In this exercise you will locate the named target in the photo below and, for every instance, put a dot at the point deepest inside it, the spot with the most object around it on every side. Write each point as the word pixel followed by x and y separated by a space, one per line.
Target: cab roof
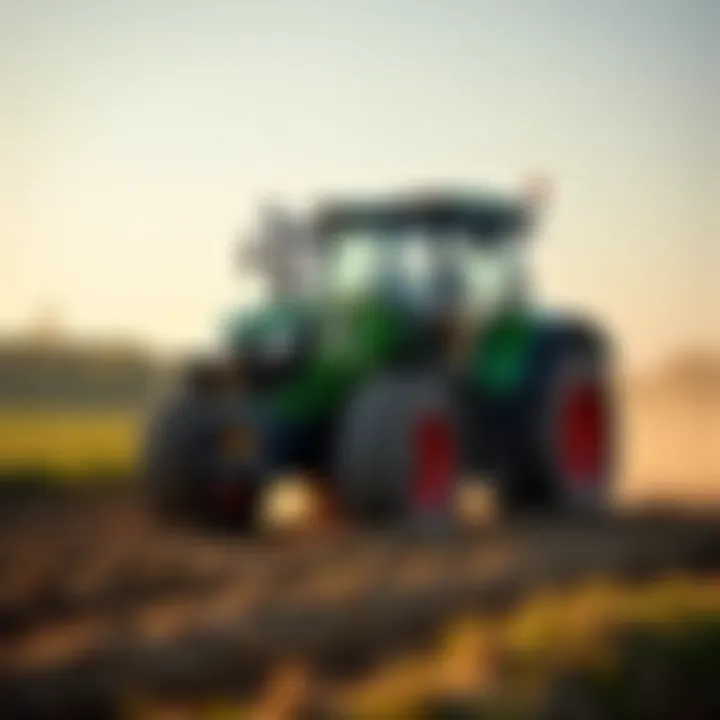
pixel 485 217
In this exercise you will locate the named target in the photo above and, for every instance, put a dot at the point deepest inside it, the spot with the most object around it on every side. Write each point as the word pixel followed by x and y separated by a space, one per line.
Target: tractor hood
pixel 356 331
pixel 305 356
pixel 270 333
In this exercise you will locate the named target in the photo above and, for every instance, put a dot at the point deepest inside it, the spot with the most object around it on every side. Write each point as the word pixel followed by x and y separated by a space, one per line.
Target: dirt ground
pixel 94 581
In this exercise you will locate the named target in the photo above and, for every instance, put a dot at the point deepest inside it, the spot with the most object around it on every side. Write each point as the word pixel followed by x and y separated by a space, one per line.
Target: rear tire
pixel 559 450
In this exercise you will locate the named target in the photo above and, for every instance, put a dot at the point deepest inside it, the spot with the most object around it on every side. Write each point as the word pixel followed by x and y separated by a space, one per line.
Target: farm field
pixel 100 604
pixel 103 611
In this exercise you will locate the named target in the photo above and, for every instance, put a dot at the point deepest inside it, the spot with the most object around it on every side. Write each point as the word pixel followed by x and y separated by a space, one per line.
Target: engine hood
pixel 265 327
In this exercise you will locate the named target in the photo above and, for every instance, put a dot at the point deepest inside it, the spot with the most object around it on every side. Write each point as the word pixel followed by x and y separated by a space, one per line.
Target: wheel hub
pixel 436 458
pixel 582 434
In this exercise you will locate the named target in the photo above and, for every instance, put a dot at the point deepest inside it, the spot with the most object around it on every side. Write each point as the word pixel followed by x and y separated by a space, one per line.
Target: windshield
pixel 491 275
pixel 420 269
pixel 354 263
pixel 360 263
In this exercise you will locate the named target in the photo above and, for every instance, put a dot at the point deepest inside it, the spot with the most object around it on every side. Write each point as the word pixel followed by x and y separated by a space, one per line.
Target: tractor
pixel 406 356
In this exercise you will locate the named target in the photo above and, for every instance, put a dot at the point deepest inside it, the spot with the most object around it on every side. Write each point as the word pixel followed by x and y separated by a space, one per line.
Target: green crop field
pixel 68 445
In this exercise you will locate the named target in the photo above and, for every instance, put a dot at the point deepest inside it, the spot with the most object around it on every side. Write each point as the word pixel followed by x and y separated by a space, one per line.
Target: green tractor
pixel 407 356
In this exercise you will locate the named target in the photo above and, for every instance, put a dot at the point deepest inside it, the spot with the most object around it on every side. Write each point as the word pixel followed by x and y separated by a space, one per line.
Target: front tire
pixel 399 452
pixel 183 474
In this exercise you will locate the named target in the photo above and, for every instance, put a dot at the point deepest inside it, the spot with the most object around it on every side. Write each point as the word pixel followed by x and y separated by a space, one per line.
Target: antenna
pixel 538 189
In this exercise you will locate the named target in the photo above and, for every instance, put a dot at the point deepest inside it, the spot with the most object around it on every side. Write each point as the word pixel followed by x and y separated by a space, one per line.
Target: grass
pixel 68 446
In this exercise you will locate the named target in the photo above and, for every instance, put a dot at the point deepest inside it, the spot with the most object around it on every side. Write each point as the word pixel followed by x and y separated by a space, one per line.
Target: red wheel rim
pixel 582 434
pixel 435 457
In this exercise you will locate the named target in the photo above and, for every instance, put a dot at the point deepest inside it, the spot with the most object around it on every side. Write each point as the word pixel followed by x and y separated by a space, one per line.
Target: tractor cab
pixel 429 254
pixel 369 279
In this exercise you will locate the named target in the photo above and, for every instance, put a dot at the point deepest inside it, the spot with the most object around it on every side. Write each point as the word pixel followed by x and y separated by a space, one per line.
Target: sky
pixel 137 137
